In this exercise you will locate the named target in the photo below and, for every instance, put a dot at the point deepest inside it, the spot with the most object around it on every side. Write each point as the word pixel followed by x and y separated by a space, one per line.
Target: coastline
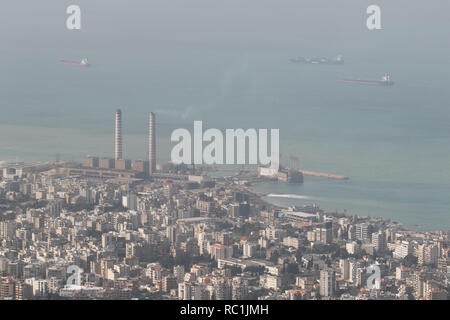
pixel 270 199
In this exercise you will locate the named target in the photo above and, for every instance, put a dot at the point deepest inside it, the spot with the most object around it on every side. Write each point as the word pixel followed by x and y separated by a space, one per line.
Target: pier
pixel 324 175
pixel 304 172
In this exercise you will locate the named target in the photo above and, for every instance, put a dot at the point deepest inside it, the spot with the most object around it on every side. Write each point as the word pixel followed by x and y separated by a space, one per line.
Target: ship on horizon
pixel 83 63
pixel 384 81
pixel 302 60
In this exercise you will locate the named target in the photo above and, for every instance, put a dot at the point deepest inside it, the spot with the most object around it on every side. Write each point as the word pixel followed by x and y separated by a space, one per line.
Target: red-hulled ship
pixel 83 63
pixel 385 81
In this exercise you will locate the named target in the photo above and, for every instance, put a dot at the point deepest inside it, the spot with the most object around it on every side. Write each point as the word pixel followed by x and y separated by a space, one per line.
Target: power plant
pixel 120 166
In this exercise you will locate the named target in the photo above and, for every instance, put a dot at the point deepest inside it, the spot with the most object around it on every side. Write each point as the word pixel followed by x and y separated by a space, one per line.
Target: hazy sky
pixel 257 24
pixel 118 33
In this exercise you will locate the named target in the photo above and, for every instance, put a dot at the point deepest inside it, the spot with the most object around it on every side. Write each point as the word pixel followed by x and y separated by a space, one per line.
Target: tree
pixel 298 256
pixel 409 260
pixel 255 269
pixel 292 268
pixel 274 256
pixel 310 264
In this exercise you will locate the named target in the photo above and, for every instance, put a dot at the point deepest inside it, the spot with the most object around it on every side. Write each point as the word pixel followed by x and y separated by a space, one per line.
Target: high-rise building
pixel 327 283
pixel 326 233
pixel 118 136
pixel 87 194
pixel 130 201
pixel 219 251
pixel 272 282
pixel 171 233
pixel 168 283
pixel 402 250
pixel 178 272
pixel 54 207
pixel 7 229
pixel 419 279
pixel 249 250
pixel 379 241
pixel 7 288
pixel 239 289
pixel 152 143
pixel 344 265
pixel 351 233
pixel 362 231
pixel 353 266
pixel 427 254
pixel 222 290
pixel 184 291
pixel 225 238
pixel 401 273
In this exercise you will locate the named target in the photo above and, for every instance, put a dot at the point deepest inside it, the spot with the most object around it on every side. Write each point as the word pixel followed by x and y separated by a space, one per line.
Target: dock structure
pixel 324 175
pixel 304 172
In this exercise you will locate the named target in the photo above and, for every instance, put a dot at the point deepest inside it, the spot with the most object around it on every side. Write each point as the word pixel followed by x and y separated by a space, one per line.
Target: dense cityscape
pixel 121 229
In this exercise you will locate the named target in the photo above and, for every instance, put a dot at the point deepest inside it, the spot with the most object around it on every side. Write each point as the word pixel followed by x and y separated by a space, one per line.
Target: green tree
pixel 409 260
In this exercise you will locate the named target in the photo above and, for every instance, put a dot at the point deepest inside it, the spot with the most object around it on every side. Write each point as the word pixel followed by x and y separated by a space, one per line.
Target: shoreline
pixel 411 228
pixel 264 198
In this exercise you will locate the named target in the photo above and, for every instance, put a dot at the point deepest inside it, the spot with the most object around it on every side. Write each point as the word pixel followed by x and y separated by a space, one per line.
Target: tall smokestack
pixel 151 143
pixel 118 136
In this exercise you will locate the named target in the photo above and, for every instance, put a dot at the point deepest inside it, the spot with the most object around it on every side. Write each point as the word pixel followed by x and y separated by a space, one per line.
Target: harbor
pixel 304 172
pixel 324 175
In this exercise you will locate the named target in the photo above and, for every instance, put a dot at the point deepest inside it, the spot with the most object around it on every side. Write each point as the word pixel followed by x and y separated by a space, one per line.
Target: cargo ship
pixel 83 63
pixel 302 60
pixel 384 81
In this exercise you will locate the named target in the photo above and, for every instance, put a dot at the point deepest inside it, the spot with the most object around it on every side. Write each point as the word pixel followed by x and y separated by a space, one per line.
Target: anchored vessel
pixel 83 63
pixel 303 60
pixel 384 81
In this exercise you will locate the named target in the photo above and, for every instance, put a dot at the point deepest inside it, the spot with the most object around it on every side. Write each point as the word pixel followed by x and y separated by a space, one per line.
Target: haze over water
pixel 227 63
